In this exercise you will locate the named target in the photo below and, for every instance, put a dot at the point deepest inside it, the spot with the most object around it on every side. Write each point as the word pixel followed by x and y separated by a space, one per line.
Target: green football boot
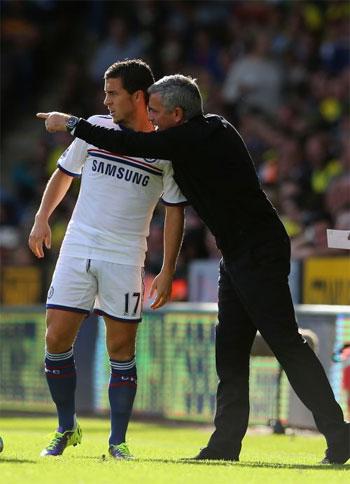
pixel 120 451
pixel 62 440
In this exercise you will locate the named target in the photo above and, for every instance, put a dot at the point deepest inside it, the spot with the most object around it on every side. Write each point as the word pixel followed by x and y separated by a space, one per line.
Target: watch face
pixel 71 123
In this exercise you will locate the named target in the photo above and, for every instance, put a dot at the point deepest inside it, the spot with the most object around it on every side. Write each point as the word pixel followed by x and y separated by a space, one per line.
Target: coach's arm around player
pixel 55 191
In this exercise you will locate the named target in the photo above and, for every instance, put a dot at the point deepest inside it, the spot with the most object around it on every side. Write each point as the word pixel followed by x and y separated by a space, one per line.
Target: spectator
pixel 255 80
pixel 120 44
pixel 313 241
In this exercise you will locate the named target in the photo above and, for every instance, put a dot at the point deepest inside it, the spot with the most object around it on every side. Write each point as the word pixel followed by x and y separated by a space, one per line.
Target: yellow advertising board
pixel 23 386
pixel 326 280
pixel 20 285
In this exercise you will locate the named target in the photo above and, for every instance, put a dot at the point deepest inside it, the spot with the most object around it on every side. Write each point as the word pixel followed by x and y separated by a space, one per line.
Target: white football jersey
pixel 116 201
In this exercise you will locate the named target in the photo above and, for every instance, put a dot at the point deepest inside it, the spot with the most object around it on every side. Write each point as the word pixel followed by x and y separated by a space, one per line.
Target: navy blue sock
pixel 121 392
pixel 61 378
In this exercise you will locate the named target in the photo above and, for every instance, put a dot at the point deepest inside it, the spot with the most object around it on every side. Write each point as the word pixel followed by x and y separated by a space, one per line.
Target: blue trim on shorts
pixel 67 308
pixel 115 318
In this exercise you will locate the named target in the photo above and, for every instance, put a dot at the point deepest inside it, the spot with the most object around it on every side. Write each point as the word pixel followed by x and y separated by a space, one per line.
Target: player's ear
pixel 139 96
pixel 179 115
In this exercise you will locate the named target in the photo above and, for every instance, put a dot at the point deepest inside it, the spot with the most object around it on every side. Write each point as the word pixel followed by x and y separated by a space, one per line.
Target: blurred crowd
pixel 278 70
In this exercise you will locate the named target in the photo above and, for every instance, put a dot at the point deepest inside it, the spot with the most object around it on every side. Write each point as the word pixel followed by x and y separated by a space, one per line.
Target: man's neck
pixel 139 123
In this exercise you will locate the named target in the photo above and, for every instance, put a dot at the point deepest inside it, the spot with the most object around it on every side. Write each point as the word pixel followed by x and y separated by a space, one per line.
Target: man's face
pixel 159 116
pixel 120 103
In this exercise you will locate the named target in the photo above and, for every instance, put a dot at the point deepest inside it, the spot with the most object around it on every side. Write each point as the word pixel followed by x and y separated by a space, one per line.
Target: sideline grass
pixel 268 459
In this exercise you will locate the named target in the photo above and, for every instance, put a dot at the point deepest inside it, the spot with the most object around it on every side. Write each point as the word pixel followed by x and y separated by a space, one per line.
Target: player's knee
pixel 55 342
pixel 121 350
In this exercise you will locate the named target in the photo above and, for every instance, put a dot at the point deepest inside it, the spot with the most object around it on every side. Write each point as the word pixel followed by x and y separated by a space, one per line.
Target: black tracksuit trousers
pixel 254 295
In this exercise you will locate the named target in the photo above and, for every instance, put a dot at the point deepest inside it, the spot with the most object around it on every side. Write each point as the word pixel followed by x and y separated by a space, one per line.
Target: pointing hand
pixel 54 121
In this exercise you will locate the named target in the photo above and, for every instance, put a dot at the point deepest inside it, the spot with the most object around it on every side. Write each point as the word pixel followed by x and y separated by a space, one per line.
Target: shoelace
pixel 57 439
pixel 123 449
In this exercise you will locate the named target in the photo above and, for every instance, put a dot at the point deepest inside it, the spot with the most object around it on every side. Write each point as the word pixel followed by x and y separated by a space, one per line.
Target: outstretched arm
pixel 173 233
pixel 157 144
pixel 55 190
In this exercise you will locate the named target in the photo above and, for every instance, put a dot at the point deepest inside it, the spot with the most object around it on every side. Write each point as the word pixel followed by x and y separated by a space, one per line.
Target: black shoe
pixel 340 453
pixel 211 454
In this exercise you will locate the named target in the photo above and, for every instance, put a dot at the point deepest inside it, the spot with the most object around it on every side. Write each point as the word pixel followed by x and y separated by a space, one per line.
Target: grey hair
pixel 179 91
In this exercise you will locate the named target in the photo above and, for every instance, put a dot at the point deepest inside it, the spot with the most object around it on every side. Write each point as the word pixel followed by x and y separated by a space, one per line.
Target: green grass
pixel 267 459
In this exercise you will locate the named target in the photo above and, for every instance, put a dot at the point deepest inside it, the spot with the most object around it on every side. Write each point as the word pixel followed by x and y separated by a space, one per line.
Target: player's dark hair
pixel 135 74
pixel 179 91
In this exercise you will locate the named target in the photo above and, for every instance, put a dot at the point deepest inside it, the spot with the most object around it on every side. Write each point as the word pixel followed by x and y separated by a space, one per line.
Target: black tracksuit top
pixel 214 171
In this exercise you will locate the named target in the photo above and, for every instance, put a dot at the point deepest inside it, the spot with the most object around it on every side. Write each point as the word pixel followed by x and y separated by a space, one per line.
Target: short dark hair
pixel 135 74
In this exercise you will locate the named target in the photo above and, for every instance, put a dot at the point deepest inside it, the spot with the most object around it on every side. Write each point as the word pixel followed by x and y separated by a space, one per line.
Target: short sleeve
pixel 171 192
pixel 72 160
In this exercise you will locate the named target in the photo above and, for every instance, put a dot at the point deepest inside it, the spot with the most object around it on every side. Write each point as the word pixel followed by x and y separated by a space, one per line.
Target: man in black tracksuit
pixel 216 174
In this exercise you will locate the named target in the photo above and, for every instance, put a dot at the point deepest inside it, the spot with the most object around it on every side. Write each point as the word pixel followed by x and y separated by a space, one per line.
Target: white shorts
pixel 82 285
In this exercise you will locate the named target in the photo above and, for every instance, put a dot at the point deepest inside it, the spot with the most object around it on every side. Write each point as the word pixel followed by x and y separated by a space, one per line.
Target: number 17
pixel 136 295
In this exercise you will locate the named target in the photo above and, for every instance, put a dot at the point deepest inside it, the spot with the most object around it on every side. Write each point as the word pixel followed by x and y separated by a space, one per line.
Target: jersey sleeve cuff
pixel 75 175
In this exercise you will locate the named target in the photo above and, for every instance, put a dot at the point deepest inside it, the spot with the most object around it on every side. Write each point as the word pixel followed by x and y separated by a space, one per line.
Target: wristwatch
pixel 71 123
